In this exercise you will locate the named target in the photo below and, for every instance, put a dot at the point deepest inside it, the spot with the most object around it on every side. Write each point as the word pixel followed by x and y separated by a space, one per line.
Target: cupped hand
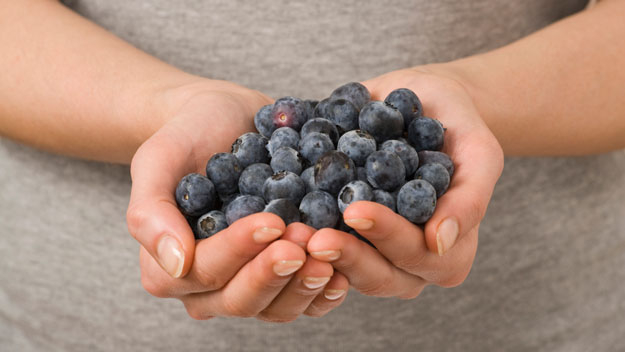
pixel 257 267
pixel 408 257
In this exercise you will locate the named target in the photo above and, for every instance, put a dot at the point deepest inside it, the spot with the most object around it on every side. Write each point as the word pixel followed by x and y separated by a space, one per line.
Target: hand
pixel 241 271
pixel 409 257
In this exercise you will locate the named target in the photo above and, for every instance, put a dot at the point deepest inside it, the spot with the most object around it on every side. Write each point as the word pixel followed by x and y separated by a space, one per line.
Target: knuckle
pixel 498 155
pixel 153 288
pixel 477 207
pixel 235 308
pixel 377 287
pixel 276 318
pixel 455 279
pixel 135 217
pixel 410 263
pixel 196 312
pixel 209 280
pixel 412 293
pixel 318 310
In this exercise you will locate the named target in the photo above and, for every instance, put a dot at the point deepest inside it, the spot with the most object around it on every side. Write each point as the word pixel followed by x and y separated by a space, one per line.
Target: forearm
pixel 559 91
pixel 71 87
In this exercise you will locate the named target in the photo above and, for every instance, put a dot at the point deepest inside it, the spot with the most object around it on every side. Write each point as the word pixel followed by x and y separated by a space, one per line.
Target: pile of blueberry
pixel 310 160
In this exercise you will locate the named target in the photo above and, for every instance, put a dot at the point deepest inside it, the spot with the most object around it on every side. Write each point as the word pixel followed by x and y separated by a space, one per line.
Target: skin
pixel 519 99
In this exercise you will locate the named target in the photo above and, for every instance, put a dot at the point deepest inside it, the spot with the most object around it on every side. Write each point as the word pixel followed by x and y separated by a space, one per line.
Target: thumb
pixel 462 207
pixel 153 217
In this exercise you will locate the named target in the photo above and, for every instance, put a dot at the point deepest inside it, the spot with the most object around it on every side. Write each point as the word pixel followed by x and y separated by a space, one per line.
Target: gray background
pixel 549 270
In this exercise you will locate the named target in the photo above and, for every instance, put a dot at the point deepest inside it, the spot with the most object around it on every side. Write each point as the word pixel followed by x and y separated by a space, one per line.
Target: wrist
pixel 469 74
pixel 165 101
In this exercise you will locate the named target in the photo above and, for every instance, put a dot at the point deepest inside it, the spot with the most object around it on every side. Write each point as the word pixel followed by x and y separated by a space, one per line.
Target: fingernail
pixel 315 282
pixel 266 234
pixel 333 294
pixel 326 255
pixel 446 235
pixel 287 267
pixel 170 256
pixel 359 224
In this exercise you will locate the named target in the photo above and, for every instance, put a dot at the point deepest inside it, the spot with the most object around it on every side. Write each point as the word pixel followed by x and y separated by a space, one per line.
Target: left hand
pixel 407 257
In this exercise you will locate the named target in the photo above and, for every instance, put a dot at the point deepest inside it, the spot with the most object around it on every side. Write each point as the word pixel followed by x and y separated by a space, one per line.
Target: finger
pixel 217 258
pixel 453 268
pixel 397 239
pixel 333 295
pixel 477 156
pixel 153 217
pixel 403 244
pixel 307 283
pixel 365 268
pixel 298 233
pixel 254 287
pixel 478 165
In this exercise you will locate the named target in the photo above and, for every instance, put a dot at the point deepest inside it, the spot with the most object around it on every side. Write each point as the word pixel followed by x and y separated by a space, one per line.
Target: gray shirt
pixel 548 274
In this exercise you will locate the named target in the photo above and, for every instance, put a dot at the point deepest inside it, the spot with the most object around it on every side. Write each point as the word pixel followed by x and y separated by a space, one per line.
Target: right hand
pixel 243 270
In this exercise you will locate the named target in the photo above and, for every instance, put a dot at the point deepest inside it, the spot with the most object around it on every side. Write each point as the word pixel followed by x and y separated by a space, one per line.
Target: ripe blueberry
pixel 253 178
pixel 381 121
pixel 416 201
pixel 319 209
pixel 385 170
pixel 195 195
pixel 251 148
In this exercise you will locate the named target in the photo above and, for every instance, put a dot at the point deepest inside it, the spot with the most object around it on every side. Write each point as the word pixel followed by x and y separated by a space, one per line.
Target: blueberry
pixel 416 201
pixel 361 174
pixel 321 108
pixel 319 209
pixel 353 192
pixel 209 224
pixel 406 152
pixel 284 209
pixel 243 206
pixel 312 103
pixel 334 170
pixel 227 199
pixel 428 157
pixel 357 145
pixel 407 102
pixel 381 121
pixel 385 198
pixel 385 170
pixel 354 92
pixel 253 178
pixel 290 112
pixel 310 107
pixel 250 149
pixel 195 195
pixel 425 133
pixel 436 175
pixel 287 159
pixel 284 184
pixel 343 113
pixel 224 169
pixel 264 121
pixel 314 145
pixel 283 137
pixel 321 125
pixel 308 176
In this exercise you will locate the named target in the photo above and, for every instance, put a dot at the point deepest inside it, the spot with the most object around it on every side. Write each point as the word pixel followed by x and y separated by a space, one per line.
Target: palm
pixel 468 141
pixel 204 122
pixel 406 257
